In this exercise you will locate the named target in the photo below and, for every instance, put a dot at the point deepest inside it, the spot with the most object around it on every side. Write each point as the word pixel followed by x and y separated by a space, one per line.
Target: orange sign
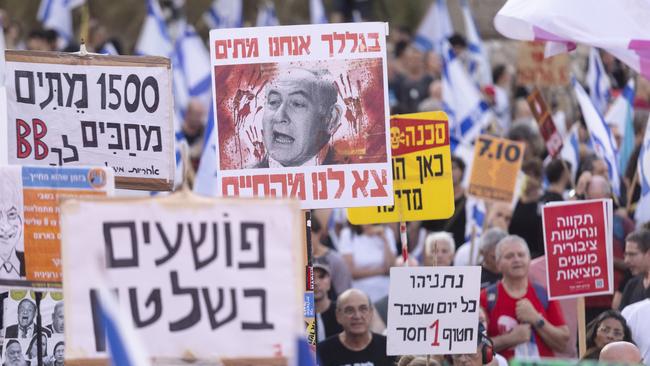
pixel 496 164
pixel 534 69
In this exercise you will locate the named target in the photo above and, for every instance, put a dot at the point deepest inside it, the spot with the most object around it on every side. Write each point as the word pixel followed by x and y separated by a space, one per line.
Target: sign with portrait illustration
pixel 433 310
pixel 30 240
pixel 421 168
pixel 111 111
pixel 22 329
pixel 214 278
pixel 302 111
pixel 497 162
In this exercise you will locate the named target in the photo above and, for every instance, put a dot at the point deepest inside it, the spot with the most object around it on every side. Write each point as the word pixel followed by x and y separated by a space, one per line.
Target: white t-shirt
pixel 637 316
pixel 461 258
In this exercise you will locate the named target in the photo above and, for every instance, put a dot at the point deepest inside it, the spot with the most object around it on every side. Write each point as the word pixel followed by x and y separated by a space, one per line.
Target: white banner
pixel 215 278
pixel 302 111
pixel 111 111
pixel 433 310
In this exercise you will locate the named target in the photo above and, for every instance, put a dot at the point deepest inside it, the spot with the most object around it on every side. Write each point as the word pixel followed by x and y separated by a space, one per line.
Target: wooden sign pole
pixel 582 341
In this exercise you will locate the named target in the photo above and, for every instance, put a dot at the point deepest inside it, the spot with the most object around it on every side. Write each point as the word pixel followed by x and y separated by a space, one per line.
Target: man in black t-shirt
pixel 326 324
pixel 355 344
pixel 637 257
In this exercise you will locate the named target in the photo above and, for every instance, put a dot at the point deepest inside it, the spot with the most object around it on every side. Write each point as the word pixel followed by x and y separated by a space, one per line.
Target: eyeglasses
pixel 361 310
pixel 607 330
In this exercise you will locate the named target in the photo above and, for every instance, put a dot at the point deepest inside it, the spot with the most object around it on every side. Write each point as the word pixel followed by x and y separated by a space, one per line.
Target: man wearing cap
pixel 326 325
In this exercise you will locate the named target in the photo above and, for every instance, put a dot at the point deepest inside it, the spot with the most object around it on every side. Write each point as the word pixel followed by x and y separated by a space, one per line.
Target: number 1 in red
pixel 434 326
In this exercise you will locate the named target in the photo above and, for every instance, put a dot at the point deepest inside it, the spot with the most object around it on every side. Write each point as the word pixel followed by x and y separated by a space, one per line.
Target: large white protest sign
pixel 302 111
pixel 115 111
pixel 211 278
pixel 433 310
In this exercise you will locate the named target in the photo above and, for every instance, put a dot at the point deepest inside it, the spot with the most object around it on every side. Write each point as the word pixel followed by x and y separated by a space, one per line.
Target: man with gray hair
pixel 300 116
pixel 487 249
pixel 522 321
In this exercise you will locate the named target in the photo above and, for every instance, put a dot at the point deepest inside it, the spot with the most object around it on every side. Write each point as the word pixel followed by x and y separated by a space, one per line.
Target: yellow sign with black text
pixel 422 181
pixel 496 164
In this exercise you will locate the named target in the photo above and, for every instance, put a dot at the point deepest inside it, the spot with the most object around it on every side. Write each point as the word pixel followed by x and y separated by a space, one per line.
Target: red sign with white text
pixel 578 244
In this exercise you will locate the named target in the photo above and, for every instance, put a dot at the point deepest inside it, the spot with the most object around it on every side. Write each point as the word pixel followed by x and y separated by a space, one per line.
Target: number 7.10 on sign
pixel 496 164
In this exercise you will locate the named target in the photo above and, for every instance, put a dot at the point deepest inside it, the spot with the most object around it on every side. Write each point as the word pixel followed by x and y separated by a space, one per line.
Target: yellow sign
pixel 494 171
pixel 422 180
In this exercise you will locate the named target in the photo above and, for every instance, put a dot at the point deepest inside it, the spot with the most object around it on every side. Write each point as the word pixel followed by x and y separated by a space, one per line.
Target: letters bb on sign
pixel 433 310
pixel 422 179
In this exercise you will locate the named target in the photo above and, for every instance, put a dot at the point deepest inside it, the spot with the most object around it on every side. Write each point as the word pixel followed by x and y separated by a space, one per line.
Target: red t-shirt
pixel 503 319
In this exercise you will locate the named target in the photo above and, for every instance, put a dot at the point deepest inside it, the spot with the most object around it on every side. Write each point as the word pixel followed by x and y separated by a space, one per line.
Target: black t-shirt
pixel 634 292
pixel 488 277
pixel 549 196
pixel 527 223
pixel 332 327
pixel 331 352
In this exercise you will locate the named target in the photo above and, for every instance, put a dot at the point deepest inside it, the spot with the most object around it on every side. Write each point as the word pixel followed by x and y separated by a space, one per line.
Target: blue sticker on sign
pixel 309 305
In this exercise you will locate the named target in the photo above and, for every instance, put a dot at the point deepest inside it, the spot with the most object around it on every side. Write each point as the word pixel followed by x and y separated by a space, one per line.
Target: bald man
pixel 620 353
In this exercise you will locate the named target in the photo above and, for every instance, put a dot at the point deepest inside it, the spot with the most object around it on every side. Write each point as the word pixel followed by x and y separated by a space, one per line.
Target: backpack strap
pixel 491 292
pixel 542 295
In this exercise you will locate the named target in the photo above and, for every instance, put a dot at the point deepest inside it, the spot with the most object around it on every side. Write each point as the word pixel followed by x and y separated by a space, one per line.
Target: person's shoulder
pixel 329 343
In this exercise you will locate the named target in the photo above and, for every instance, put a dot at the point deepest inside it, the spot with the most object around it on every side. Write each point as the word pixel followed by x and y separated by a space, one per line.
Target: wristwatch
pixel 540 323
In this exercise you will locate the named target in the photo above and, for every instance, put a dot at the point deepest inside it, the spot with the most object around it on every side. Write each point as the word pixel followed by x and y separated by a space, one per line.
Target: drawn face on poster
pixel 300 114
pixel 11 221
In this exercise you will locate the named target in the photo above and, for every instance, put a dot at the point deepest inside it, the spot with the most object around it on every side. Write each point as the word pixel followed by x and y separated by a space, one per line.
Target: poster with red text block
pixel 302 112
pixel 579 248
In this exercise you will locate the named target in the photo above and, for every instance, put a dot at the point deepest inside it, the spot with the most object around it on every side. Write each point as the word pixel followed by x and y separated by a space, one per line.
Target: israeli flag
pixel 317 12
pixel 435 28
pixel 108 48
pixel 642 213
pixel 475 212
pixel 481 62
pixel 621 115
pixel 154 39
pixel 571 150
pixel 205 182
pixel 193 59
pixel 468 113
pixel 224 14
pixel 266 15
pixel 57 15
pixel 601 137
pixel 2 56
pixel 124 346
pixel 598 82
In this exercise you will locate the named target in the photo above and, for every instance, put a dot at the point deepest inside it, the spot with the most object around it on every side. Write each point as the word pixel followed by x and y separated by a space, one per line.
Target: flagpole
pixel 630 191
pixel 85 20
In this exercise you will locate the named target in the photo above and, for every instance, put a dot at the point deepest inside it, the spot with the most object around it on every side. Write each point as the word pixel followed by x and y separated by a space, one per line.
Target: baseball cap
pixel 323 264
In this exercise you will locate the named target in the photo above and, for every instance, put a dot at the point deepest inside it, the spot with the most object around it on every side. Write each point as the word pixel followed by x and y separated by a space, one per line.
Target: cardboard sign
pixel 302 111
pixel 114 111
pixel 421 168
pixel 547 128
pixel 21 344
pixel 215 278
pixel 30 241
pixel 534 69
pixel 579 248
pixel 494 171
pixel 433 310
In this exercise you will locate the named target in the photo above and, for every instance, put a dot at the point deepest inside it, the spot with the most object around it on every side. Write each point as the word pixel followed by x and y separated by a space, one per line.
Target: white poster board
pixel 214 278
pixel 115 111
pixel 433 310
pixel 302 111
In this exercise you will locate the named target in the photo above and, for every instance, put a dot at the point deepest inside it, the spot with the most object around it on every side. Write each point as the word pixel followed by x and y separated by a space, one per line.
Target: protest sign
pixel 302 111
pixel 21 317
pixel 534 69
pixel 30 241
pixel 433 310
pixel 494 171
pixel 579 248
pixel 544 119
pixel 421 168
pixel 211 278
pixel 115 111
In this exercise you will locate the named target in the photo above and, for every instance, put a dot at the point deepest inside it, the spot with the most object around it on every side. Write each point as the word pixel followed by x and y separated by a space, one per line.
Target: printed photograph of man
pixel 14 354
pixel 57 319
pixel 26 328
pixel 300 117
pixel 12 256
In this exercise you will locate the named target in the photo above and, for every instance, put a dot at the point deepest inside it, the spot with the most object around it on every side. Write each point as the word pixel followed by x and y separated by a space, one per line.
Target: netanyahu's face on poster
pixel 300 116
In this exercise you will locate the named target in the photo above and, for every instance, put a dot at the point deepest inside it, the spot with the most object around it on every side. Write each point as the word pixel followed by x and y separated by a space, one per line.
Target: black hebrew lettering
pixel 426 166
pixel 418 334
pixel 198 242
pixel 172 248
pixel 247 245
pixel 399 168
pixel 51 77
pixel 30 98
pixel 154 299
pixel 111 261
pixel 194 314
pixel 117 145
pixel 214 310
pixel 92 141
pixel 263 323
pixel 72 158
pixel 148 133
pixel 457 335
pixel 127 136
pixel 72 80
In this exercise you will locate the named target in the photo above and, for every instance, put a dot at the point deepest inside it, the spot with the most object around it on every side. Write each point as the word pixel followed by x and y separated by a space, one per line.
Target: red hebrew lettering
pixel 328 38
pixel 375 47
pixel 338 176
pixel 297 183
pixel 40 130
pixel 341 38
pixel 319 190
pixel 220 49
pixel 380 191
pixel 262 180
pixel 303 47
pixel 230 182
pixel 279 179
pixel 252 48
pixel 23 147
pixel 359 183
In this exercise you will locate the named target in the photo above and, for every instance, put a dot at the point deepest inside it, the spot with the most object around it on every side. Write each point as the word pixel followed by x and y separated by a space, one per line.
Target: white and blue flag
pixel 435 28
pixel 601 136
pixel 154 39
pixel 266 16
pixel 642 213
pixel 480 65
pixel 57 15
pixel 224 14
pixel 598 82
pixel 205 182
pixel 317 12
pixel 621 115
pixel 571 150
